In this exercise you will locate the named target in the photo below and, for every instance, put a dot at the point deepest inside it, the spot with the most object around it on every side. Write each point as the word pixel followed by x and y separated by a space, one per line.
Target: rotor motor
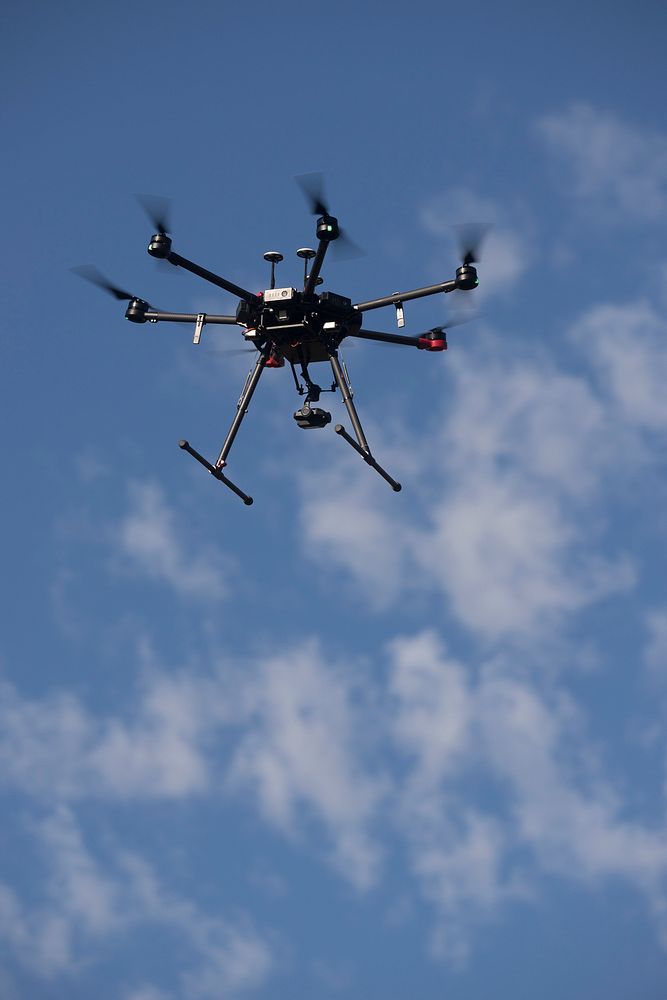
pixel 136 311
pixel 435 340
pixel 466 277
pixel 160 246
pixel 327 228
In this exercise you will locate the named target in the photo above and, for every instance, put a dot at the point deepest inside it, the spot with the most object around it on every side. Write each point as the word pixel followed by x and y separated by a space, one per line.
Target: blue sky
pixel 343 742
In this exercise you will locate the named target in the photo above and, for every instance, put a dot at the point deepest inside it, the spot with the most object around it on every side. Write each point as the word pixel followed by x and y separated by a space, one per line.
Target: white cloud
pixel 76 898
pixel 62 608
pixel 460 863
pixel 655 650
pixel 53 748
pixel 497 551
pixel 147 536
pixel 508 532
pixel 87 895
pixel 611 164
pixel 42 743
pixel 86 902
pixel 526 415
pixel 574 823
pixel 627 344
pixel 345 519
pixel 433 717
pixel 456 852
pixel 505 258
pixel 230 956
pixel 161 750
pixel 301 736
pixel 39 941
pixel 555 814
pixel 147 993
pixel 90 467
pixel 292 737
pixel 300 754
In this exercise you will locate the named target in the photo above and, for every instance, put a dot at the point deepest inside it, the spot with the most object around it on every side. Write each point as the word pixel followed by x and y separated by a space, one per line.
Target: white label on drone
pixel 278 294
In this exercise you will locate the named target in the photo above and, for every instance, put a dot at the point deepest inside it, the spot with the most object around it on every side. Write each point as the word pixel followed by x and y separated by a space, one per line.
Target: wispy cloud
pixel 299 754
pixel 655 649
pixel 54 748
pixel 87 899
pixel 346 521
pixel 615 167
pixel 230 956
pixel 148 539
pixel 302 739
pixel 515 462
pixel 292 738
pixel 627 344
pixel 557 815
pixel 147 993
pixel 90 467
pixel 572 820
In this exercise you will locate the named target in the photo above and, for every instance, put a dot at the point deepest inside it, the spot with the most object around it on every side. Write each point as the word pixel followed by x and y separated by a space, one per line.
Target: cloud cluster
pixel 612 165
pixel 290 722
pixel 149 542
pixel 557 815
pixel 88 902
pixel 298 754
pixel 302 740
pixel 54 749
pixel 655 650
pixel 516 460
pixel 627 346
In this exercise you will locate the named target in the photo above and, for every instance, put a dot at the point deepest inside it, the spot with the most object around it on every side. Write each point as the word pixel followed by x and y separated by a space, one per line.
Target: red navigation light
pixel 275 361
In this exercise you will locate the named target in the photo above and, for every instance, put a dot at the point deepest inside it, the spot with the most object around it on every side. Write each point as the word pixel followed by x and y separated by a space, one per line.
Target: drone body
pixel 295 326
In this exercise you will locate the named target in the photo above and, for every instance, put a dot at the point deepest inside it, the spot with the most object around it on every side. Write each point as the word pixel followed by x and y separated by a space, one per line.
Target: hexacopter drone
pixel 299 326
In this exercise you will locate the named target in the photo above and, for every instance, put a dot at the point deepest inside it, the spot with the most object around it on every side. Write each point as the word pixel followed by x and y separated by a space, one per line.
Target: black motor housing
pixel 466 277
pixel 136 311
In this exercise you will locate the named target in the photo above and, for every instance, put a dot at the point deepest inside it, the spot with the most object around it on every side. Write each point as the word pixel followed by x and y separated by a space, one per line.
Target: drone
pixel 293 325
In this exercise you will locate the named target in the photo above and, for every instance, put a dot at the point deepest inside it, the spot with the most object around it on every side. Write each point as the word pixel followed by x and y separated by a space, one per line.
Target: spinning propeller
pixel 135 312
pixel 231 352
pixel 90 273
pixel 471 237
pixel 158 210
pixel 312 186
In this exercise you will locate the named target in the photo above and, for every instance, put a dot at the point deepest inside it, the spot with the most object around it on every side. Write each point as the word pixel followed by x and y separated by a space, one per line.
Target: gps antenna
pixel 274 258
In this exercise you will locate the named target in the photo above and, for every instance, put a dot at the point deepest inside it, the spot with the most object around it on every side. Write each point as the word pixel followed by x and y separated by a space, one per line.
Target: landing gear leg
pixel 241 410
pixel 361 444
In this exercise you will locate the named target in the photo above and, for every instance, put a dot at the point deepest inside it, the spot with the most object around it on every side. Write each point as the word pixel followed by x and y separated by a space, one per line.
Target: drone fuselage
pixel 299 327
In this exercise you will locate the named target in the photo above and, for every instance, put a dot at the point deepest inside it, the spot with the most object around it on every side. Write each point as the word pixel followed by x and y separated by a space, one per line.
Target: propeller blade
pixel 158 211
pixel 346 249
pixel 90 273
pixel 458 320
pixel 312 186
pixel 231 351
pixel 471 236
